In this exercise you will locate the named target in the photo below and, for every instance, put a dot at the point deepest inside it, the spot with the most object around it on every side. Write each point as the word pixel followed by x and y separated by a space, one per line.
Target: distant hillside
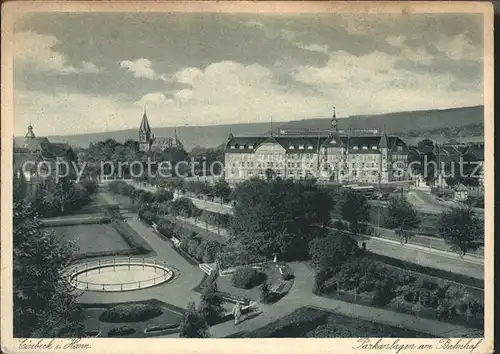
pixel 401 122
pixel 205 136
pixel 212 136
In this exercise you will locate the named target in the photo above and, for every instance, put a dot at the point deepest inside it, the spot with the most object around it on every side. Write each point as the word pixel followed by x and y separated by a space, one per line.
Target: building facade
pixel 336 157
pixel 35 159
pixel 148 141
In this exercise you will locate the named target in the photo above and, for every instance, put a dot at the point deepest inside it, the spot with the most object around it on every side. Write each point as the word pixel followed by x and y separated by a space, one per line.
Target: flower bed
pixel 315 323
pixel 365 281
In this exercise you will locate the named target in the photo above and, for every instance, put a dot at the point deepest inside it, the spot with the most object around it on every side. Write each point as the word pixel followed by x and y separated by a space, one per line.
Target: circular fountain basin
pixel 118 276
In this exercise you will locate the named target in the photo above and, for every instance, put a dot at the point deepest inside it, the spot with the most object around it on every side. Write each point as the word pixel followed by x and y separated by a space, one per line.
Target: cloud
pixel 460 48
pixel 414 54
pixel 288 36
pixel 36 52
pixel 373 83
pixel 142 68
pixel 230 92
pixel 153 99
pixel 313 47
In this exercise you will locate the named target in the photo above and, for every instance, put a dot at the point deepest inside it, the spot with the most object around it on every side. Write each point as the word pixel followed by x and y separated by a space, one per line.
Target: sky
pixel 94 72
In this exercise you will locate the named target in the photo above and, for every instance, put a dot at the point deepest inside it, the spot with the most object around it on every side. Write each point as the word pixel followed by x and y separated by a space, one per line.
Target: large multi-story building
pixel 341 157
pixel 148 141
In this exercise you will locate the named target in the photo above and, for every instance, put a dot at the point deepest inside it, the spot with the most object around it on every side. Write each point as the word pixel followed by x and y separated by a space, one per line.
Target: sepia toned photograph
pixel 185 170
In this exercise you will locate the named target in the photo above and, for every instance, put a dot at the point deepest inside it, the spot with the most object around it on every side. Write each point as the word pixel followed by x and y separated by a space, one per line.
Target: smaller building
pixel 460 193
pixel 149 142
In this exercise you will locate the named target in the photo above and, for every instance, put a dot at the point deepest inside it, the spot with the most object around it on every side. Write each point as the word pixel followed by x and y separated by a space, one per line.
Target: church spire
pixel 334 120
pixel 30 134
pixel 145 128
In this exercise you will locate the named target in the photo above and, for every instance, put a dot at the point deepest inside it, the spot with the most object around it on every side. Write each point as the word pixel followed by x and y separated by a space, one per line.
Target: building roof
pixel 460 188
pixel 292 144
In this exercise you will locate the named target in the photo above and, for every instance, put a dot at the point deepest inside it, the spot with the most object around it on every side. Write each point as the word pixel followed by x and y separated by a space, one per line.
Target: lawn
pixel 308 322
pixel 171 315
pixel 92 237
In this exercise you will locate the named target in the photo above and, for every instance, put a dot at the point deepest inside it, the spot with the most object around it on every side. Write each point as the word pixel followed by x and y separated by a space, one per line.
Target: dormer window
pixel 310 147
pixel 400 148
pixel 355 148
pixel 333 141
pixel 301 147
pixel 242 147
pixel 250 146
pixel 233 146
pixel 291 147
pixel 365 147
pixel 374 147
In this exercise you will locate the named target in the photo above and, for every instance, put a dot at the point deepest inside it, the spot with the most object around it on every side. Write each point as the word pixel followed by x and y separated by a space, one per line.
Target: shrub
pixel 121 331
pixel 246 278
pixel 211 304
pixel 130 313
pixel 340 225
pixel 422 283
pixel 166 227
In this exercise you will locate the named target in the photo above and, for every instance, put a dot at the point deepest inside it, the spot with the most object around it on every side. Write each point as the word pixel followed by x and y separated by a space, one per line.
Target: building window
pixel 242 147
pixel 250 146
pixel 400 148
pixel 291 147
pixel 374 147
pixel 355 148
pixel 310 147
pixel 365 147
pixel 301 147
pixel 232 146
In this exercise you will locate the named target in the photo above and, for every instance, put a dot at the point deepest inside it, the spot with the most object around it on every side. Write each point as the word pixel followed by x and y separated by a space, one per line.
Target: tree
pixel 265 293
pixel 43 303
pixel 401 216
pixel 277 217
pixel 222 190
pixel 193 325
pixel 331 251
pixel 355 210
pixel 461 228
pixel 211 304
pixel 162 196
pixel 270 174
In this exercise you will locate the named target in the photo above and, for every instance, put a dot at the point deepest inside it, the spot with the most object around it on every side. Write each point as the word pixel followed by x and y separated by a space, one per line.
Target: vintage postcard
pixel 220 177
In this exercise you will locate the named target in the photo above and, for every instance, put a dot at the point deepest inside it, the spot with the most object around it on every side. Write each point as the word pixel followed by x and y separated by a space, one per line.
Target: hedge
pixel 131 313
pixel 121 331
pixel 93 219
pixel 247 278
pixel 133 239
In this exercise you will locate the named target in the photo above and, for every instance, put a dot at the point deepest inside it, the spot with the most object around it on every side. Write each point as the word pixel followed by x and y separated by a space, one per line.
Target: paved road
pixel 429 203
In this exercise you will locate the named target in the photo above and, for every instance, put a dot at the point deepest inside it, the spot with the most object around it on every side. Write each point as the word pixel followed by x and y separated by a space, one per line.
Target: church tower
pixel 146 137
pixel 30 135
